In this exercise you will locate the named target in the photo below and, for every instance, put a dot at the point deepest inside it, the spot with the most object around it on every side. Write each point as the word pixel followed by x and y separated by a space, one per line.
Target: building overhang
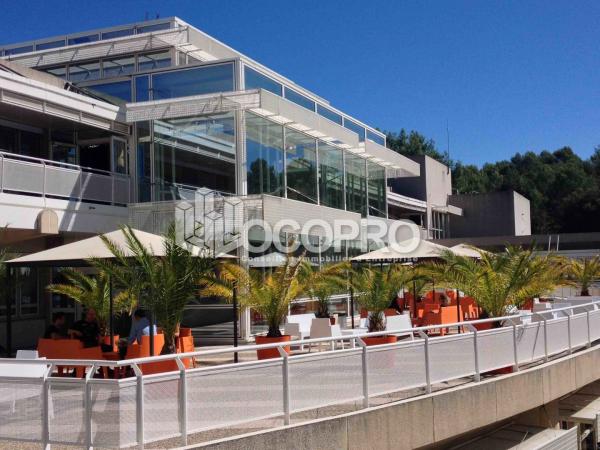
pixel 448 209
pixel 18 91
pixel 402 201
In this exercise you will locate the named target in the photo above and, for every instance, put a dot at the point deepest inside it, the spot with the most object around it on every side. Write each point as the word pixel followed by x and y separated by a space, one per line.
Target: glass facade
pixel 151 61
pixel 118 67
pixel 256 80
pixel 353 126
pixel 356 184
pixel 116 93
pixel 301 166
pixel 84 72
pixel 331 176
pixel 197 81
pixel 299 99
pixel 375 138
pixel 142 88
pixel 264 156
pixel 144 161
pixel 377 188
pixel 329 114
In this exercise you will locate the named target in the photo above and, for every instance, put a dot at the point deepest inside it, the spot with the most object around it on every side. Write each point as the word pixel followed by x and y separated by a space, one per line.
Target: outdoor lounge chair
pixel 298 326
pixel 322 328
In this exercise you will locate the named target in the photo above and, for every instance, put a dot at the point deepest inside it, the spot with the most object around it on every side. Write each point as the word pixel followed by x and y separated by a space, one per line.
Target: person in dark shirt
pixel 87 329
pixel 56 329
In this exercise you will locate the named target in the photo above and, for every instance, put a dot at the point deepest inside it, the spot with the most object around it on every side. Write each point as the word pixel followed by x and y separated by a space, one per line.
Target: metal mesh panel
pixel 238 394
pixel 397 368
pixel 558 335
pixel 121 189
pixel 96 187
pixel 495 348
pixel 66 424
pixel 530 342
pixel 20 410
pixel 318 381
pixel 579 330
pixel 595 324
pixel 22 176
pixel 451 357
pixel 161 408
pixel 113 415
pixel 62 182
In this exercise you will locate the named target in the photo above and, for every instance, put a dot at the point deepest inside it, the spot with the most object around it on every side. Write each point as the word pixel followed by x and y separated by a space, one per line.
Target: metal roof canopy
pixel 583 407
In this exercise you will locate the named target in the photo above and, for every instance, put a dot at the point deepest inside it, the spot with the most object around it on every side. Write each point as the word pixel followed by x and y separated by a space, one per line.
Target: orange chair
pixel 390 312
pixel 445 314
pixel 69 349
pixel 185 344
pixel 115 344
pixel 183 332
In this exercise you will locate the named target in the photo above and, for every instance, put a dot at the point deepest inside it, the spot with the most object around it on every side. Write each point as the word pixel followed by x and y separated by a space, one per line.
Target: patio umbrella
pixel 467 250
pixel 424 250
pixel 78 254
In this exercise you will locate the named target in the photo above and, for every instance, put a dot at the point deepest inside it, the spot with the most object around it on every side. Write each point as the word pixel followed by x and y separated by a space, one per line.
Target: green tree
pixel 322 283
pixel 583 273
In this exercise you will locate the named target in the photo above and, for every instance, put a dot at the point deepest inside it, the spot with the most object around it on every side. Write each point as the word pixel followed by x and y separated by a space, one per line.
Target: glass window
pixel 356 184
pixel 299 99
pixel 83 39
pixel 155 27
pixel 63 146
pixel 60 72
pixel 142 88
pixel 301 166
pixel 143 161
pixel 27 288
pixel 95 154
pixel 153 61
pixel 32 144
pixel 375 138
pixel 118 67
pixel 331 176
pixel 264 150
pixel 8 139
pixel 256 80
pixel 356 128
pixel 117 93
pixel 329 114
pixel 18 50
pixel 49 45
pixel 117 33
pixel 84 72
pixel 201 80
pixel 119 156
pixel 377 188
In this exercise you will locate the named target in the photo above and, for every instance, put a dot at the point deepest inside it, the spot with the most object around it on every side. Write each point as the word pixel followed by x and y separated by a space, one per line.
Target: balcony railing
pixel 148 408
pixel 46 178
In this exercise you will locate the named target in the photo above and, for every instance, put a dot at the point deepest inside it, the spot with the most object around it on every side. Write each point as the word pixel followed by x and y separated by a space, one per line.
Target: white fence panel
pixel 558 335
pixel 161 407
pixel 579 330
pixel 530 342
pixel 222 397
pixel 23 176
pixel 451 357
pixel 595 324
pixel 396 368
pixel 113 414
pixel 62 182
pixel 20 410
pixel 495 349
pixel 67 423
pixel 96 187
pixel 330 378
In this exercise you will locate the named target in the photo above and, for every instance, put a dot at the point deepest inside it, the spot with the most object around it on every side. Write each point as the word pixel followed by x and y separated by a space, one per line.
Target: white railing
pixel 148 408
pixel 46 178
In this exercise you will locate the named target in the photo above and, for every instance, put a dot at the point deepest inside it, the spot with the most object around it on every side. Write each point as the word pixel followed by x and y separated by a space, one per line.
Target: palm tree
pixel 584 272
pixel 321 284
pixel 164 285
pixel 498 281
pixel 379 287
pixel 93 292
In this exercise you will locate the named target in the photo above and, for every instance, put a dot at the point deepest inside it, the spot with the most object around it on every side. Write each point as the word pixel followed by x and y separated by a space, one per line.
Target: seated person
pixel 140 326
pixel 87 329
pixel 56 329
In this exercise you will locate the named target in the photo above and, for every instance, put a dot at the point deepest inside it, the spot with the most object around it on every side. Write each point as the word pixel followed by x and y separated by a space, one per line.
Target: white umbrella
pixel 467 250
pixel 403 251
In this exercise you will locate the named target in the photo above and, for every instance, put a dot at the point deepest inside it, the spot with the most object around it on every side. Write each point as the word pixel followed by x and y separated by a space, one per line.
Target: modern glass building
pixel 97 124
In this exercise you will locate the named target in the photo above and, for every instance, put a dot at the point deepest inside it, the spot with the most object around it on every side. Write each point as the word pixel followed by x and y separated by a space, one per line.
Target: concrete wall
pixel 503 213
pixel 432 420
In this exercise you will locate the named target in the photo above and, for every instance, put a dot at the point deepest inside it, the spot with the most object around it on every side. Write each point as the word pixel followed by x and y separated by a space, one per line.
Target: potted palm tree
pixel 321 284
pixel 378 288
pixel 583 273
pixel 93 292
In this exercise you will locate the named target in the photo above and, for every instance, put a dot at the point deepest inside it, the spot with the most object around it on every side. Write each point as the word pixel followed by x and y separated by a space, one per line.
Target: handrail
pixel 251 348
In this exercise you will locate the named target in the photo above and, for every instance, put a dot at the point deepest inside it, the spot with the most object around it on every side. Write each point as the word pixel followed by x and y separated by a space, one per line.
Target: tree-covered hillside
pixel 564 189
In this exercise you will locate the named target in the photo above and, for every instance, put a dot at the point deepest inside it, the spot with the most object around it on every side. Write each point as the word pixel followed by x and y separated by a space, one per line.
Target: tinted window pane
pixel 48 45
pixel 118 67
pixel 153 61
pixel 356 184
pixel 377 188
pixel 142 88
pixel 356 128
pixel 264 149
pixel 143 161
pixel 83 39
pixel 331 176
pixel 202 80
pixel 8 139
pixel 329 114
pixel 18 50
pixel 84 72
pixel 256 80
pixel 155 27
pixel 301 166
pixel 299 99
pixel 58 72
pixel 117 33
pixel 116 93
pixel 375 138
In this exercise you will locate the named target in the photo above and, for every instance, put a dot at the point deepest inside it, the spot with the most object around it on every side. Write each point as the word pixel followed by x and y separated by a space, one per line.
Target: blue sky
pixel 508 76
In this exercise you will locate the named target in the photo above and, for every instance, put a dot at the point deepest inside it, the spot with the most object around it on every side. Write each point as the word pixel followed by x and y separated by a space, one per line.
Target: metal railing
pixel 140 409
pixel 47 178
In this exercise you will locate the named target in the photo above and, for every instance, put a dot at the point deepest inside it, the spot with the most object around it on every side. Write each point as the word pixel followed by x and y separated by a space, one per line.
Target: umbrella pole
pixel 8 311
pixel 235 324
pixel 111 327
pixel 151 333
pixel 351 301
pixel 459 319
pixel 414 302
